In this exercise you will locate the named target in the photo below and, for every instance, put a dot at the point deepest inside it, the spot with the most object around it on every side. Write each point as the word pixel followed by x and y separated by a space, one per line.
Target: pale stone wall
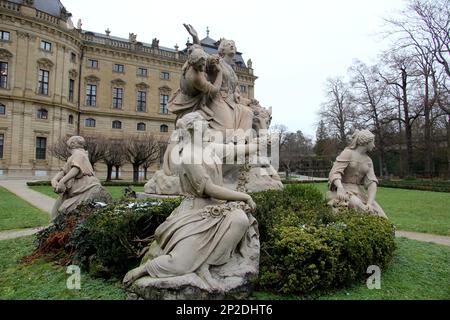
pixel 70 50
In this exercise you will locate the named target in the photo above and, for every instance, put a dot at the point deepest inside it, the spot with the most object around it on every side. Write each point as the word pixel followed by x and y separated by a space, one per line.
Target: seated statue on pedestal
pixel 76 182
pixel 352 171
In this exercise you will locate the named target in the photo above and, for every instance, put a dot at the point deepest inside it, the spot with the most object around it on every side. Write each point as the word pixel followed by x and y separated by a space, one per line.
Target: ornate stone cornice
pixel 142 86
pixel 73 74
pixel 5 54
pixel 92 78
pixel 45 63
pixel 165 90
pixel 118 82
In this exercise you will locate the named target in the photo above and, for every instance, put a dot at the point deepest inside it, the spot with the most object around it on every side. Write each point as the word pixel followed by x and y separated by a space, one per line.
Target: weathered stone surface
pixel 351 173
pixel 163 184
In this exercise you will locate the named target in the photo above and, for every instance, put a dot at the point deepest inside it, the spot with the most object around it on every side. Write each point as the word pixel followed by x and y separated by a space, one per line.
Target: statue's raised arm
pixel 193 33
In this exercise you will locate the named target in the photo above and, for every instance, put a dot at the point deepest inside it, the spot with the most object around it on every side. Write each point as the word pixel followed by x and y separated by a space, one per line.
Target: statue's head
pixel 197 59
pixel 76 142
pixel 191 121
pixel 227 48
pixel 363 138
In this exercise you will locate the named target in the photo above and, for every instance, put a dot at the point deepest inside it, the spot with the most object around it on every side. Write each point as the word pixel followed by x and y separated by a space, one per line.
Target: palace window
pixel 41 148
pixel 2 109
pixel 143 72
pixel 5 35
pixel 71 89
pixel 73 57
pixel 243 88
pixel 91 63
pixel 117 98
pixel 71 119
pixel 46 46
pixel 141 126
pixel 42 114
pixel 164 128
pixel 116 124
pixel 3 75
pixel 119 68
pixel 91 95
pixel 141 104
pixel 89 123
pixel 164 75
pixel 2 142
pixel 163 101
pixel 43 82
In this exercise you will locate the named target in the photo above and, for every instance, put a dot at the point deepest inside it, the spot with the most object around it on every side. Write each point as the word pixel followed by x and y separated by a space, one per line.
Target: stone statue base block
pixel 187 287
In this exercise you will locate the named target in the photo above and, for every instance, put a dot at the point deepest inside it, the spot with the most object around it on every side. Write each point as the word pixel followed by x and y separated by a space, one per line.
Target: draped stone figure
pixel 209 86
pixel 76 182
pixel 352 174
pixel 211 241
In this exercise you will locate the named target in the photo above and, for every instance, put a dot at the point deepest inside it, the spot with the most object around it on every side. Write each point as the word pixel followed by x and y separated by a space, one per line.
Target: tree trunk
pixel 117 172
pixel 135 173
pixel 145 174
pixel 109 173
pixel 448 147
pixel 428 144
pixel 408 129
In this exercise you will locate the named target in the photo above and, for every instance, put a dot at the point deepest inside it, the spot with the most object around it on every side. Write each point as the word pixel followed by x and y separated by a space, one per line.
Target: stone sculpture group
pixel 209 246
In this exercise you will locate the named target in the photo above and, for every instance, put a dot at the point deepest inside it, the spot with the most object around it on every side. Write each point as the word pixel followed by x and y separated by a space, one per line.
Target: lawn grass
pixel 419 271
pixel 44 280
pixel 412 210
pixel 16 213
pixel 116 192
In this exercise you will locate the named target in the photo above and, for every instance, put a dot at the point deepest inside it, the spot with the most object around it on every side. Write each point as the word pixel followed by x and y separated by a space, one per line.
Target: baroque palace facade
pixel 58 80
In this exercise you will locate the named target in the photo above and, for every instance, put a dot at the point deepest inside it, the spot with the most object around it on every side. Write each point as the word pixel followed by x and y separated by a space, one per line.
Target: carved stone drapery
pixel 142 86
pixel 118 82
pixel 5 54
pixel 92 79
pixel 45 63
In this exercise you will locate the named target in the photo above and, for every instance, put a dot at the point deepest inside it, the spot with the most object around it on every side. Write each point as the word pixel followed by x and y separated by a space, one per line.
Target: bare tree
pixel 115 157
pixel 60 150
pixel 141 149
pixel 398 75
pixel 96 148
pixel 337 111
pixel 295 148
pixel 370 99
pixel 423 32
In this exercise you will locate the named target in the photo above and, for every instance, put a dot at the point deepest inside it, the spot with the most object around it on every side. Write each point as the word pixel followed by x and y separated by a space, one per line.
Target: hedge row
pixel 304 246
pixel 423 185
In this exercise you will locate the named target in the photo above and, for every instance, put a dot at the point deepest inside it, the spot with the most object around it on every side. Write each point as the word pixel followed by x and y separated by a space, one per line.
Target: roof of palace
pixel 52 7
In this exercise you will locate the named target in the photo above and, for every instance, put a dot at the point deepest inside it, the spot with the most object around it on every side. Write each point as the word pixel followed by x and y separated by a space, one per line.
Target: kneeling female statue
pixel 352 173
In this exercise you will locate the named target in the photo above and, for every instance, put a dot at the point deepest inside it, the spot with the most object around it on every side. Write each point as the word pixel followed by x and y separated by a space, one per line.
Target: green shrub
pixel 274 207
pixel 113 240
pixel 305 247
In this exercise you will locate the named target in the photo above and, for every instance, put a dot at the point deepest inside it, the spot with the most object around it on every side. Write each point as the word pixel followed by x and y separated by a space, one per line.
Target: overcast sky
pixel 295 45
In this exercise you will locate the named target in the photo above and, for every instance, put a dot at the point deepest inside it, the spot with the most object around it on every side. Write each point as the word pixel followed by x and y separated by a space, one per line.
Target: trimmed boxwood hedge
pixel 304 246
